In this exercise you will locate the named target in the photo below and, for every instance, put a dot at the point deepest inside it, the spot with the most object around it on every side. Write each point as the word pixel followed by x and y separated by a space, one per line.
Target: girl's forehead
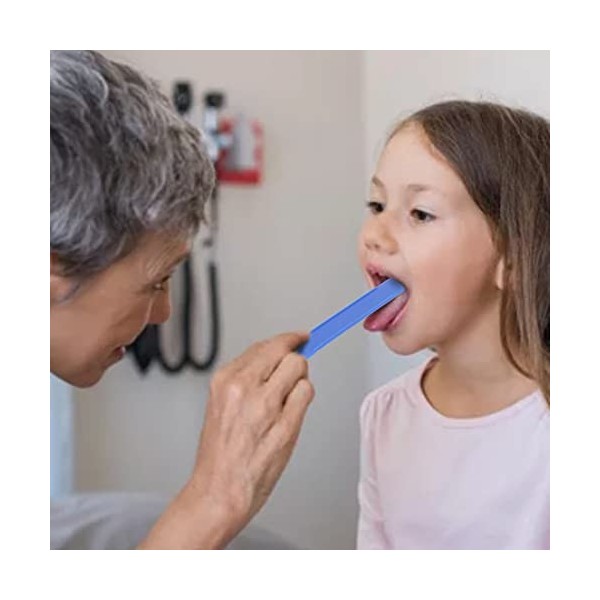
pixel 409 158
pixel 410 146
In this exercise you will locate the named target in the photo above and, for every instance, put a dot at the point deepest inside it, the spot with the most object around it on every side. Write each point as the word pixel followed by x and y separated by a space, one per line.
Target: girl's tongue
pixel 380 320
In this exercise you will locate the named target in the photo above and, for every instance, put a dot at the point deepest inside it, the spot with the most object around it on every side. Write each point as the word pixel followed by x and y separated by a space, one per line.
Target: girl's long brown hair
pixel 502 156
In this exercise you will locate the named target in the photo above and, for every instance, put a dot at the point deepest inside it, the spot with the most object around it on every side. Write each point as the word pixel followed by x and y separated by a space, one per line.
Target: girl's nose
pixel 377 237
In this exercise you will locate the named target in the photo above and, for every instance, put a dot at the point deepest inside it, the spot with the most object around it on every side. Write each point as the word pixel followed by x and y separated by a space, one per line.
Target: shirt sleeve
pixel 371 532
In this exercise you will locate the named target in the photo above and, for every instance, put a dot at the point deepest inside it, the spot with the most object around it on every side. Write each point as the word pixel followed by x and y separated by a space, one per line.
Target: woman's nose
pixel 377 237
pixel 161 309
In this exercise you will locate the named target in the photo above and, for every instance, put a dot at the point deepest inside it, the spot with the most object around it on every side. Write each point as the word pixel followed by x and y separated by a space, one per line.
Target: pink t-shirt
pixel 432 482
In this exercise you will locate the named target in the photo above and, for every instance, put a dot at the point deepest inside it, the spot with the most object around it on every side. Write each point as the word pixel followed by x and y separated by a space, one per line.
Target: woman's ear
pixel 60 285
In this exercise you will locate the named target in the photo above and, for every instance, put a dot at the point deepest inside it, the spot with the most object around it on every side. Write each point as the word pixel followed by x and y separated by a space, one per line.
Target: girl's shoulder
pixel 401 392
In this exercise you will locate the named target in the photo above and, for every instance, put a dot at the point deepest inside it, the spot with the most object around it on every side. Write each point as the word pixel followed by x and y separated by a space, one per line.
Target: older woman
pixel 129 180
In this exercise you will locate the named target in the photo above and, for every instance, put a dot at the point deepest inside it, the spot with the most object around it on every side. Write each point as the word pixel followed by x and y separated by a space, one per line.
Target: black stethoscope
pixel 147 347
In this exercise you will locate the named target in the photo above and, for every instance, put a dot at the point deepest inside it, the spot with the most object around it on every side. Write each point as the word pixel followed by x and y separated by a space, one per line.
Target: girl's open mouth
pixel 389 315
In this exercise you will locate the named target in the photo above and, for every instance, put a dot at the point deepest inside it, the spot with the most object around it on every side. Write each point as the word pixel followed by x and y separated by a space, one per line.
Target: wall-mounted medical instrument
pixel 235 145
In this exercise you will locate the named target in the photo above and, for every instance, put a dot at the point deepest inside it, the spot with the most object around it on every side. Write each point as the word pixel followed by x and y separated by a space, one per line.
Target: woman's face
pixel 426 231
pixel 90 329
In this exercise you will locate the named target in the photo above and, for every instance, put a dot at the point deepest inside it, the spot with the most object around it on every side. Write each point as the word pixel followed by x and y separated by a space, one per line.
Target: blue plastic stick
pixel 349 316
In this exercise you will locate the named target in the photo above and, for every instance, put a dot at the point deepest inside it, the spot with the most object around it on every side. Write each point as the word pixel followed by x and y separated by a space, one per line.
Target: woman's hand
pixel 253 418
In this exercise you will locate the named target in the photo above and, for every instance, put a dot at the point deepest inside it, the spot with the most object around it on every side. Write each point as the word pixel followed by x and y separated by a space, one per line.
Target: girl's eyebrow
pixel 411 187
pixel 417 188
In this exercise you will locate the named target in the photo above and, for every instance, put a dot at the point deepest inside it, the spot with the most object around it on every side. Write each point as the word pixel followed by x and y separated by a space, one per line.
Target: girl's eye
pixel 375 207
pixel 421 216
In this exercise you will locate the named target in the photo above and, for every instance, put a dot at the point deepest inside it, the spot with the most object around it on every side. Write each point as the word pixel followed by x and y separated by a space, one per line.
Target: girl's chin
pixel 401 344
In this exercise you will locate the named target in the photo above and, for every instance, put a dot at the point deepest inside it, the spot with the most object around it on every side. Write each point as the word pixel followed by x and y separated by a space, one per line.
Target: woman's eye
pixel 375 207
pixel 162 285
pixel 421 216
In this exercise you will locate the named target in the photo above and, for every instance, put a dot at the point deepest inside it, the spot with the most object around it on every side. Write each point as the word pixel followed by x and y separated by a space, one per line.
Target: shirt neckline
pixel 467 422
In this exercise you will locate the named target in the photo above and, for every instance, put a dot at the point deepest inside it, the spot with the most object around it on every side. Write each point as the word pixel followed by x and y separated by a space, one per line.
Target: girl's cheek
pixel 430 255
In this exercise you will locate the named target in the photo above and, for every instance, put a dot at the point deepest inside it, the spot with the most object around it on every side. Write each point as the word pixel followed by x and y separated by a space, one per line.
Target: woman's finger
pixel 266 406
pixel 276 448
pixel 261 359
pixel 284 379
pixel 295 408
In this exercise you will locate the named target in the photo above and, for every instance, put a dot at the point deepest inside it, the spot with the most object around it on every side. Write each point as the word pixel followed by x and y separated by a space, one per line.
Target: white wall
pixel 287 260
pixel 399 82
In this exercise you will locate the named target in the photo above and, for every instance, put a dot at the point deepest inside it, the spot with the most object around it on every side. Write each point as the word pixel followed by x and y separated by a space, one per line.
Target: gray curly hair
pixel 122 162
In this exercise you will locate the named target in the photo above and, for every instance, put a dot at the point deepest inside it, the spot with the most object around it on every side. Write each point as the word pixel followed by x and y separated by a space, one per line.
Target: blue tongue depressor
pixel 350 315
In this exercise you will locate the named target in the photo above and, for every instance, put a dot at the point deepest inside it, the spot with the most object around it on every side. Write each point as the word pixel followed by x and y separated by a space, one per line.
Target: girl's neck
pixel 473 376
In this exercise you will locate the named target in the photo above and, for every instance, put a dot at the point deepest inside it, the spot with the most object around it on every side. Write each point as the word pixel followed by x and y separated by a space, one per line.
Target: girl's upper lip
pixel 377 274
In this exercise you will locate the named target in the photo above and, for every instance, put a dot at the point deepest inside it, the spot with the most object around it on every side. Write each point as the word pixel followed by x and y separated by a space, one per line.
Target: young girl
pixel 455 453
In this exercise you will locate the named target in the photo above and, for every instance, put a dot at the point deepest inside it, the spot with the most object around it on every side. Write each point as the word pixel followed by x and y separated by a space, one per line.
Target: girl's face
pixel 424 230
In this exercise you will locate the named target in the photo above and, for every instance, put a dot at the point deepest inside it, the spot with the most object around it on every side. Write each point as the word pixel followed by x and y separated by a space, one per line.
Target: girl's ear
pixel 499 274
